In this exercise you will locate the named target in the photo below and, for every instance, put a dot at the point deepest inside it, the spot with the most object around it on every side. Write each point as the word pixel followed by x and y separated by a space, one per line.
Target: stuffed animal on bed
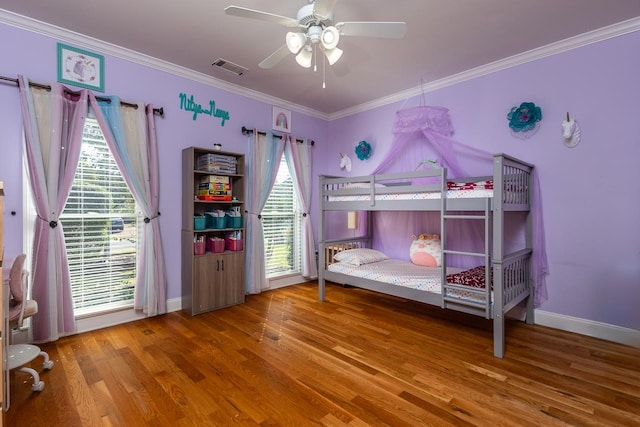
pixel 426 250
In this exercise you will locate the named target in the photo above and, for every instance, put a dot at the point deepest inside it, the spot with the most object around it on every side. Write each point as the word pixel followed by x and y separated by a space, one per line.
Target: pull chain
pixel 324 73
pixel 315 59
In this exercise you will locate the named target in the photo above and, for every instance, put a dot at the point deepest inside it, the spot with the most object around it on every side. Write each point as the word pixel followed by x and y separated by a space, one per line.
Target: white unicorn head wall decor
pixel 570 132
pixel 345 162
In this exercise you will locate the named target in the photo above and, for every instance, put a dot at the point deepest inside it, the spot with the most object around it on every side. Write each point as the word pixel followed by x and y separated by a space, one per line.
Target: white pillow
pixel 360 256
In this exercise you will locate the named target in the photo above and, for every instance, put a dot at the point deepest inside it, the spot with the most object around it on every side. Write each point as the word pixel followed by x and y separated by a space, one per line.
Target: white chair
pixel 22 307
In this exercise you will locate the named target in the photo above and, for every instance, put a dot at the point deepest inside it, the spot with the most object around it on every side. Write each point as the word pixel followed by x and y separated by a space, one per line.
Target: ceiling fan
pixel 314 22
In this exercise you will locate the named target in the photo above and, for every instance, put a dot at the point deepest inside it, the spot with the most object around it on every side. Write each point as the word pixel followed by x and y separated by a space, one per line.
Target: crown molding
pixel 67 36
pixel 555 48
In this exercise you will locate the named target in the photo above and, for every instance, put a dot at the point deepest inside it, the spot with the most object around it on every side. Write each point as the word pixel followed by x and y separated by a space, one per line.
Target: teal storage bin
pixel 234 222
pixel 199 223
pixel 216 221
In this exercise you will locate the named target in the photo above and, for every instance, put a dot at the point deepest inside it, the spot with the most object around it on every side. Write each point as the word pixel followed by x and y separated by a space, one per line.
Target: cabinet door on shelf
pixel 234 278
pixel 218 281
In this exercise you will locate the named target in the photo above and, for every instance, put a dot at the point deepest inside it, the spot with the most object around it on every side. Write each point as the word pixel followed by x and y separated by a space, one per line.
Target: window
pixel 100 223
pixel 281 220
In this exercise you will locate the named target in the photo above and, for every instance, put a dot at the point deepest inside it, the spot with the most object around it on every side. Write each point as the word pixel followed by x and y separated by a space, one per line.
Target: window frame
pixel 296 227
pixel 118 296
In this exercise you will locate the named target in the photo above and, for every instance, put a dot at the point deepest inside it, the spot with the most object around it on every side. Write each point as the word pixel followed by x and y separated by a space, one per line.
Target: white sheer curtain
pixel 265 153
pixel 53 123
pixel 130 134
pixel 299 161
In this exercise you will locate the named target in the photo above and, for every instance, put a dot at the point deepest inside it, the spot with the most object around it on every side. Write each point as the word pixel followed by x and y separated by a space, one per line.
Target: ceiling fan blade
pixel 388 30
pixel 323 8
pixel 243 12
pixel 273 59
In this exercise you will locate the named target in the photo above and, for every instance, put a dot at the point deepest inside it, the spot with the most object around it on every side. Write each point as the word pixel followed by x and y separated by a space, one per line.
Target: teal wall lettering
pixel 188 104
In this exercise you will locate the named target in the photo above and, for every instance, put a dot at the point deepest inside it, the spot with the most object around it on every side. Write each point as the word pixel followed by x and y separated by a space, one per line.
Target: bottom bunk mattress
pixel 403 273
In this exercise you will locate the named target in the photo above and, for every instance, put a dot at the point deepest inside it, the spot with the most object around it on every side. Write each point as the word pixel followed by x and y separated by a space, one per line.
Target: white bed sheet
pixel 451 194
pixel 403 273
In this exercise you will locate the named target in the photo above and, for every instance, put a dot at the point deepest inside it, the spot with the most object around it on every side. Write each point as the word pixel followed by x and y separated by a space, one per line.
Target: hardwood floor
pixel 360 358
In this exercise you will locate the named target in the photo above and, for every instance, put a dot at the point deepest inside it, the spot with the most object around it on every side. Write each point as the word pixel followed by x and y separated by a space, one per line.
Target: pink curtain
pixel 53 124
pixel 265 153
pixel 299 161
pixel 424 133
pixel 131 136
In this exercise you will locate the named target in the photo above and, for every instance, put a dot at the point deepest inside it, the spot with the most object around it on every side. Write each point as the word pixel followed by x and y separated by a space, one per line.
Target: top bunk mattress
pixel 455 190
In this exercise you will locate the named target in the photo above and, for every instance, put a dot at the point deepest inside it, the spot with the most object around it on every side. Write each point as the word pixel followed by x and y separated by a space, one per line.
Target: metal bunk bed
pixel 510 273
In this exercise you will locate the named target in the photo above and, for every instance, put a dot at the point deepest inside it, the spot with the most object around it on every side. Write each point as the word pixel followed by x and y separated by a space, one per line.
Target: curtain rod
pixel 246 131
pixel 156 111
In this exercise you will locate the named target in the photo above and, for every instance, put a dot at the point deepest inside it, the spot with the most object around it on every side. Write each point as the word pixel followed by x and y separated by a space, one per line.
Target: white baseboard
pixel 590 328
pixel 93 323
pixel 119 317
pixel 174 304
pixel 285 281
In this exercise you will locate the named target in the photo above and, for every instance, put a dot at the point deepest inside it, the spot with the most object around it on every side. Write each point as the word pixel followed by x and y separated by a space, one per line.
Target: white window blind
pixel 281 220
pixel 101 230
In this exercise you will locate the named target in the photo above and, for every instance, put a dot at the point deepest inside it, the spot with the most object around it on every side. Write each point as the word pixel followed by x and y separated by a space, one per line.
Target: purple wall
pixel 590 195
pixel 35 57
pixel 590 203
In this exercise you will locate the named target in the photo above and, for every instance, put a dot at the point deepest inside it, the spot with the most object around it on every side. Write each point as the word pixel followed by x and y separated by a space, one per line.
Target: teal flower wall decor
pixel 525 119
pixel 363 150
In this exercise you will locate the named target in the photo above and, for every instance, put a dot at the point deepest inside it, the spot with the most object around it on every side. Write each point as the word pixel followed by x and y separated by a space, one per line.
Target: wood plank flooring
pixel 360 358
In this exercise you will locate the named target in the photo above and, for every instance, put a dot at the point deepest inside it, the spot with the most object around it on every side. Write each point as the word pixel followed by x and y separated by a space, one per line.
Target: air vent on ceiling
pixel 230 67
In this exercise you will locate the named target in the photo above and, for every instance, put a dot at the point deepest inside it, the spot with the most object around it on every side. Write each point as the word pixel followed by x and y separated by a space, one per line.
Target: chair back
pixel 15 278
pixel 18 287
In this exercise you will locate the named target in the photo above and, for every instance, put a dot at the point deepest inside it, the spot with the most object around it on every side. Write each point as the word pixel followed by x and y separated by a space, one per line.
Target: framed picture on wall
pixel 80 67
pixel 281 120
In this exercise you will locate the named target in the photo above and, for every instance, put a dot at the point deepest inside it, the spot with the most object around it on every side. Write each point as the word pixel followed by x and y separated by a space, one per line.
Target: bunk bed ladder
pixel 449 300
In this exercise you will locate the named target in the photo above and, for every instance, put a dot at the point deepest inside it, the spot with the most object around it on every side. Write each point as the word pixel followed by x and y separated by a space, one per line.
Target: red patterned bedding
pixel 473 277
pixel 479 185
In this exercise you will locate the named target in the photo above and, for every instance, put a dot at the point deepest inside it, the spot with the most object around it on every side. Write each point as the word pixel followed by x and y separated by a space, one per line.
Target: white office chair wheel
pixel 48 364
pixel 39 386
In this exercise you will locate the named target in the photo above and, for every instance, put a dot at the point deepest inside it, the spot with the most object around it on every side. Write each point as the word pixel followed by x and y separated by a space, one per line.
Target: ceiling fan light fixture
pixel 295 42
pixel 333 55
pixel 314 27
pixel 330 37
pixel 304 58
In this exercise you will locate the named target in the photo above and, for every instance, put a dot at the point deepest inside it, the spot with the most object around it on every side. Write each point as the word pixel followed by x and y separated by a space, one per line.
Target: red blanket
pixel 473 277
pixel 480 185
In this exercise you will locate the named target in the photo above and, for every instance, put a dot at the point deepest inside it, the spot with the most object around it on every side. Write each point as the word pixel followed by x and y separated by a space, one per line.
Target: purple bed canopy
pixel 424 133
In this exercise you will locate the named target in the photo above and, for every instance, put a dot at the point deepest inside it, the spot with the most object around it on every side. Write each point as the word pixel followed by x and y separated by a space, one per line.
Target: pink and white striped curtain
pixel 53 125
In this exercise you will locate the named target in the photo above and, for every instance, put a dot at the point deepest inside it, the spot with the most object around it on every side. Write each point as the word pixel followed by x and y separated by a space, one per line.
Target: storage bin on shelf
pixel 233 241
pixel 233 244
pixel 215 244
pixel 217 163
pixel 234 222
pixel 199 248
pixel 199 222
pixel 215 221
